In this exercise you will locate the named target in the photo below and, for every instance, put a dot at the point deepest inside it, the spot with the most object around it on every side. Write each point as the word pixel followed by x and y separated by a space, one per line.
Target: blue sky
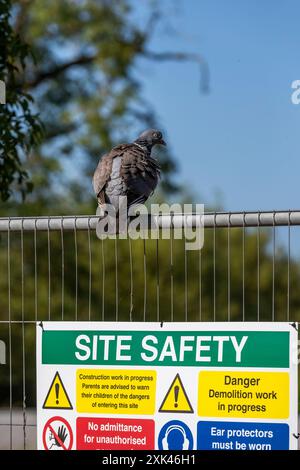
pixel 241 139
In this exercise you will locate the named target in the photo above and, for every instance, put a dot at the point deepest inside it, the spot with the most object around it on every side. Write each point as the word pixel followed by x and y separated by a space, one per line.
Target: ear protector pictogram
pixel 186 442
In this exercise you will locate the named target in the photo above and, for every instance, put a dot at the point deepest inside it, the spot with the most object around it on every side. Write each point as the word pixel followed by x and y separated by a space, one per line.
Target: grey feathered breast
pixel 127 170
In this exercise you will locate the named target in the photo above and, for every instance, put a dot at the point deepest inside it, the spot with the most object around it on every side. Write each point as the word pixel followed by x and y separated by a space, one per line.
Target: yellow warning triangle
pixel 57 397
pixel 176 399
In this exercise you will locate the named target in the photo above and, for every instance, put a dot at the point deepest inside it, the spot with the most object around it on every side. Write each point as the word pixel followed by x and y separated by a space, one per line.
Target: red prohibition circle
pixel 65 422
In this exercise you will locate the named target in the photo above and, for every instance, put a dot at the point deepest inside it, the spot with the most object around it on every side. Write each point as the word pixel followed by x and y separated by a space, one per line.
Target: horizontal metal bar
pixel 20 322
pixel 252 219
pixel 212 219
pixel 19 425
pixel 17 224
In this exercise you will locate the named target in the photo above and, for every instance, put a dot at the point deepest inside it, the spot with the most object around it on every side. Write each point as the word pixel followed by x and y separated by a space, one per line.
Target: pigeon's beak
pixel 162 142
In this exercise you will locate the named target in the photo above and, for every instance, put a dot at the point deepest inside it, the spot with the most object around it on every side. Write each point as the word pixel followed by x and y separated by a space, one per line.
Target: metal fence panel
pixel 55 268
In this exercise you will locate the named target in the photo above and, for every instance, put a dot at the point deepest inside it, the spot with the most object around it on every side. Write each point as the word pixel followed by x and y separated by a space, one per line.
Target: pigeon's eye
pixel 155 134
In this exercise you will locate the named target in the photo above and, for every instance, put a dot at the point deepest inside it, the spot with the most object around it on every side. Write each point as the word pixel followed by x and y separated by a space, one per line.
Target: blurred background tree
pixel 81 60
pixel 78 59
pixel 20 128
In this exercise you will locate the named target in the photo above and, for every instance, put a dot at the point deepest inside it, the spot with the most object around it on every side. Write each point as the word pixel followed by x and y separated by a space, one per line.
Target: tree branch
pixel 22 16
pixel 58 131
pixel 42 76
pixel 183 57
pixel 152 22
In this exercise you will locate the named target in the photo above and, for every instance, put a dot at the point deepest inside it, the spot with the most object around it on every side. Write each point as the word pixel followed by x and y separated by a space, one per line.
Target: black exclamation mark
pixel 176 393
pixel 57 393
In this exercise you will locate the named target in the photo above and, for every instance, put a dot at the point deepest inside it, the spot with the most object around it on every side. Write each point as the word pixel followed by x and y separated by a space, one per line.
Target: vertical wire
pixel 214 264
pixel 90 268
pixel 273 271
pixel 200 284
pixel 288 272
pixel 117 279
pixel 131 279
pixel 157 283
pixel 23 339
pixel 172 269
pixel 49 270
pixel 243 268
pixel 145 278
pixel 9 336
pixel 103 279
pixel 76 269
pixel 35 273
pixel 62 270
pixel 258 268
pixel 228 268
pixel 185 284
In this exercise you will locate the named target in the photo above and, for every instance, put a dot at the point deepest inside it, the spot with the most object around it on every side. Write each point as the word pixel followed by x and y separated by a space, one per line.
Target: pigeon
pixel 128 170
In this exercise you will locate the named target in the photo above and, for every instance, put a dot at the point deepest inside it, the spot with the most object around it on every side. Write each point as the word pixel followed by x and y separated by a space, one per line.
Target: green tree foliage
pixel 20 128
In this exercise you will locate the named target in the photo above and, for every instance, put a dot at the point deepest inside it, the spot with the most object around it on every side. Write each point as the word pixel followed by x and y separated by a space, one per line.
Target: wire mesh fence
pixel 55 268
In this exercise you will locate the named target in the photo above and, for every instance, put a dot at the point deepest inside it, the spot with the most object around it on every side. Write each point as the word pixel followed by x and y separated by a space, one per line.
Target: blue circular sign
pixel 175 435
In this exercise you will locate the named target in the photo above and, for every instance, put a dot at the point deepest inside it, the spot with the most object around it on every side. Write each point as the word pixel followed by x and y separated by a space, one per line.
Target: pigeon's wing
pixel 102 176
pixel 103 171
pixel 140 174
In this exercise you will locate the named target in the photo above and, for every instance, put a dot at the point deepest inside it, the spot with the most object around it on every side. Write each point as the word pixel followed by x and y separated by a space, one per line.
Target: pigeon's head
pixel 149 138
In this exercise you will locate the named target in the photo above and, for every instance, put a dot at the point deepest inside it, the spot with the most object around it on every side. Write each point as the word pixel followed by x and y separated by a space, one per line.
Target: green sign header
pixel 167 348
